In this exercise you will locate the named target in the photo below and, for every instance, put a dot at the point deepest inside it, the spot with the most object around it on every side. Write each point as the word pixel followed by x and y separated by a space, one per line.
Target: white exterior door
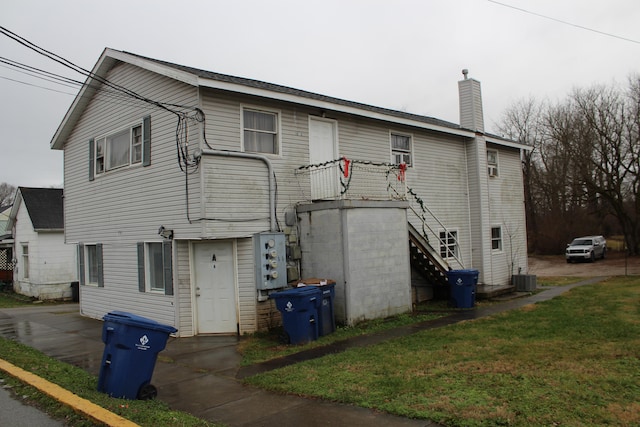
pixel 323 147
pixel 215 288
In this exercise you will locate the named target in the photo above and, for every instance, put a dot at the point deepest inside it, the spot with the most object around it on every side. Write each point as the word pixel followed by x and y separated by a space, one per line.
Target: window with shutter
pixel 128 146
pixel 155 267
pixel 90 266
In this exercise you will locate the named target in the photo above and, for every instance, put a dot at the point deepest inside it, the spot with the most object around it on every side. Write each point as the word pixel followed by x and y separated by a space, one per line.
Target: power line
pixel 30 70
pixel 564 22
pixel 34 85
pixel 66 63
pixel 181 129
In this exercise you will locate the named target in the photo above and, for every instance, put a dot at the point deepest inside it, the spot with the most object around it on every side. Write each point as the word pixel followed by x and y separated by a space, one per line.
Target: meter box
pixel 271 260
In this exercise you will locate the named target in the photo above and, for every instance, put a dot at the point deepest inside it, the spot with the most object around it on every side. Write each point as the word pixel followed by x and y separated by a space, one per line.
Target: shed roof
pixel 44 206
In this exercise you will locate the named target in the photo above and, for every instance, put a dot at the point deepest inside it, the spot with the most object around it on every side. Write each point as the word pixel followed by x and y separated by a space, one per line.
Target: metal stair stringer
pixel 425 259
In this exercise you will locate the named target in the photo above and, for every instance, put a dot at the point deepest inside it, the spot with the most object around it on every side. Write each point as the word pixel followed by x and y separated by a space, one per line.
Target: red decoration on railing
pixel 403 171
pixel 346 166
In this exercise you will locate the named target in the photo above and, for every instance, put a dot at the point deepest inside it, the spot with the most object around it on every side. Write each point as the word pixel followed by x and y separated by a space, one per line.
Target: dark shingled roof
pixel 44 206
pixel 298 92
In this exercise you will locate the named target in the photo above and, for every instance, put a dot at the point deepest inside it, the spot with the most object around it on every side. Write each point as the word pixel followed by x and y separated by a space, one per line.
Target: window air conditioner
pixel 493 170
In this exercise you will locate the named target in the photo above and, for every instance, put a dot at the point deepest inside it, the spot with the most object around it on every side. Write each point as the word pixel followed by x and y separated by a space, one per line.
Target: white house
pixel 45 266
pixel 191 196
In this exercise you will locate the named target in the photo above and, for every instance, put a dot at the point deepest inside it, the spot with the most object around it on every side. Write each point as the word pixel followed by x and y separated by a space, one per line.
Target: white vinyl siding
pixel 129 204
pixel 184 315
pixel 506 201
pixel 228 197
pixel 246 287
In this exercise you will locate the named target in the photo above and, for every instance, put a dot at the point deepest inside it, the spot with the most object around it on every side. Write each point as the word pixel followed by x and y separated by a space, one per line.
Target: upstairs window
pixel 400 149
pixel 260 131
pixel 492 163
pixel 125 147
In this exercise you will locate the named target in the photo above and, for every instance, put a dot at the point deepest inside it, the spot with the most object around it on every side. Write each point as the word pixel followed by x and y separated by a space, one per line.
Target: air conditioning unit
pixel 493 170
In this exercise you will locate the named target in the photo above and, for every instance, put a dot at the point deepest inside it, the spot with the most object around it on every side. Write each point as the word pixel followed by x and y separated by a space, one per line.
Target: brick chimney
pixel 470 95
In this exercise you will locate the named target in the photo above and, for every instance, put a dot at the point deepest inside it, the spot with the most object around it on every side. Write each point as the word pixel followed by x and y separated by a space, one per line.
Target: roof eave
pixel 81 100
pixel 326 105
pixel 106 62
pixel 110 57
pixel 508 143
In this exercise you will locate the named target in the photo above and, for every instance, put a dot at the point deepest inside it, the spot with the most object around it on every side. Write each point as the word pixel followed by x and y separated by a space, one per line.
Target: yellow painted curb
pixel 76 402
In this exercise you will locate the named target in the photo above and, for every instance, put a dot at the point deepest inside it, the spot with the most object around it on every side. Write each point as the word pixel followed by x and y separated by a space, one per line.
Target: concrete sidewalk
pixel 200 375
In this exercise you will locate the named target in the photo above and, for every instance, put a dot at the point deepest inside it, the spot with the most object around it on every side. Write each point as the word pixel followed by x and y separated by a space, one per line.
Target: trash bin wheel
pixel 285 338
pixel 147 392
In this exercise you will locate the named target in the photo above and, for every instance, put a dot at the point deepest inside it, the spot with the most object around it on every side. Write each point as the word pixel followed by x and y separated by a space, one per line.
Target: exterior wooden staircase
pixel 426 260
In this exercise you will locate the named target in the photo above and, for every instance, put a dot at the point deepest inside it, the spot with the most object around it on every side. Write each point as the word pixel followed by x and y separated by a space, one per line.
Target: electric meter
pixel 270 260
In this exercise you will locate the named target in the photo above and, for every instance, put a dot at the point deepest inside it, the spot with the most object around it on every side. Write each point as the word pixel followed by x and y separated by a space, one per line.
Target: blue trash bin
pixel 326 317
pixel 299 309
pixel 462 284
pixel 132 344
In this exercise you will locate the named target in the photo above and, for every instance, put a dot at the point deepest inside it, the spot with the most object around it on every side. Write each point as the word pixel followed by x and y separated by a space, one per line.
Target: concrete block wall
pixel 363 246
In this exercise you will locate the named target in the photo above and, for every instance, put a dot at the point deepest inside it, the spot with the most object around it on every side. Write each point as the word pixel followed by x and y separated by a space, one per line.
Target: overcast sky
pixel 400 54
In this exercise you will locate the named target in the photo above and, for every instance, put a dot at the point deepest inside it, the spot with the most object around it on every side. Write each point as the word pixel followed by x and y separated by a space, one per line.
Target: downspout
pixel 272 190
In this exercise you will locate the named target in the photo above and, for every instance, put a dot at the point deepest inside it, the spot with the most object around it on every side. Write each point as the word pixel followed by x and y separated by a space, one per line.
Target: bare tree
pixel 608 148
pixel 583 174
pixel 7 193
pixel 521 122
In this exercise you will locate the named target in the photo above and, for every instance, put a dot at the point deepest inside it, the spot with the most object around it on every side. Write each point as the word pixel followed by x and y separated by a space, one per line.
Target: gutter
pixel 272 188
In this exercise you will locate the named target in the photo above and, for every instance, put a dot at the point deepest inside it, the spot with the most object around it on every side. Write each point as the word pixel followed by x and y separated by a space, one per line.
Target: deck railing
pixel 352 179
pixel 364 180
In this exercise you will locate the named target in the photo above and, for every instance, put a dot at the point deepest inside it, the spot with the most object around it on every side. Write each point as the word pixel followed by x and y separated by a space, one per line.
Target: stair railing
pixel 455 254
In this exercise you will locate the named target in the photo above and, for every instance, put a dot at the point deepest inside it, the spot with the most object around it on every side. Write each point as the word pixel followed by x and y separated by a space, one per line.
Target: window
pixel 496 238
pixel 128 146
pixel 25 261
pixel 155 270
pixel 492 163
pixel 400 149
pixel 260 131
pixel 136 144
pixel 90 264
pixel 117 150
pixel 449 244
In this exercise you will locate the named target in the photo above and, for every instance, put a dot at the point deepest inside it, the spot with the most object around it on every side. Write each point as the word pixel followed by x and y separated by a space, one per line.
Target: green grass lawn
pixel 263 346
pixel 9 299
pixel 570 361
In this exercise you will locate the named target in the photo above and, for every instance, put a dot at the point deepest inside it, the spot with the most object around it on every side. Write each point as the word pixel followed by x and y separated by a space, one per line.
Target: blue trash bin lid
pixel 134 320
pixel 296 292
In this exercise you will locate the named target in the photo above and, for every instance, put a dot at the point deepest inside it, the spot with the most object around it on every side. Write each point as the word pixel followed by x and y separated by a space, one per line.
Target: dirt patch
pixel 615 264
